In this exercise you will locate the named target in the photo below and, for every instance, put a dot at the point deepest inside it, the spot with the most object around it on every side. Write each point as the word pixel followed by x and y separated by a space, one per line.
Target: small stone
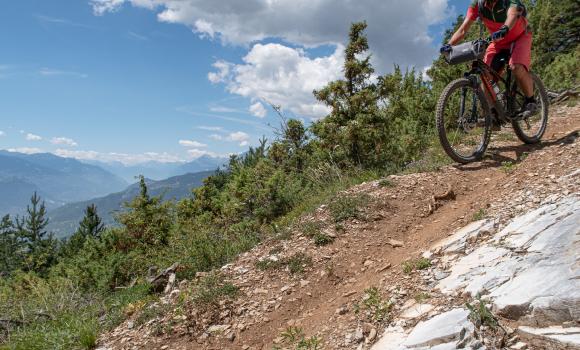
pixel 348 294
pixel 164 347
pixel 372 335
pixel 395 243
pixel 519 346
pixel 358 335
pixel 341 310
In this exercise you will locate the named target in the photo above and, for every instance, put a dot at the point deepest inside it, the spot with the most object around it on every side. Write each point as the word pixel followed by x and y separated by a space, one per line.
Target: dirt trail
pixel 368 253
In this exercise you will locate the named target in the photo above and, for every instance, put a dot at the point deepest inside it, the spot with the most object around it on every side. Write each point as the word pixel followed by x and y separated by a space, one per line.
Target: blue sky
pixel 129 80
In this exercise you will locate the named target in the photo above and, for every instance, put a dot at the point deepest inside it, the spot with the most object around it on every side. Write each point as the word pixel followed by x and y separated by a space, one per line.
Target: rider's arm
pixel 460 33
pixel 512 16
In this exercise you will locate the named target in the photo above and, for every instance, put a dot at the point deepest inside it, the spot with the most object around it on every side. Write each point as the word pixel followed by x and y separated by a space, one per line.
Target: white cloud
pixel 125 158
pixel 191 143
pixel 137 36
pixel 216 137
pixel 258 110
pixel 281 75
pixel 32 137
pixel 60 21
pixel 102 6
pixel 398 30
pixel 26 150
pixel 223 109
pixel 239 136
pixel 210 128
pixel 196 153
pixel 2 133
pixel 65 141
pixel 49 72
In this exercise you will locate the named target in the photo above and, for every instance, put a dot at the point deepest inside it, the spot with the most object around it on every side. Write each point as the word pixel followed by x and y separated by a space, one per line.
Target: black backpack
pixel 481 4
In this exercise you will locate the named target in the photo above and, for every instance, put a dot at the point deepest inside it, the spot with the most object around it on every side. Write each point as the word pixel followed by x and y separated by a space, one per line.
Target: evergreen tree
pixel 10 247
pixel 41 247
pixel 556 28
pixel 90 227
pixel 147 221
pixel 354 103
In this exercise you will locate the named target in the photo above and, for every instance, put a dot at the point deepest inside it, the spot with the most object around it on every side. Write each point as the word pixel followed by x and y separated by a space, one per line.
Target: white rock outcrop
pixel 529 271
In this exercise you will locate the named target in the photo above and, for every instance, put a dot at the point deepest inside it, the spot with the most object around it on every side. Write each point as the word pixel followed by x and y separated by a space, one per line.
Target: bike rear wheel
pixel 463 121
pixel 530 130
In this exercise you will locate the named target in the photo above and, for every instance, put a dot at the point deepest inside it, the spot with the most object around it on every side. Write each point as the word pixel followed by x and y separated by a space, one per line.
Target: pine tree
pixel 354 103
pixel 147 221
pixel 32 227
pixel 41 247
pixel 91 225
pixel 11 247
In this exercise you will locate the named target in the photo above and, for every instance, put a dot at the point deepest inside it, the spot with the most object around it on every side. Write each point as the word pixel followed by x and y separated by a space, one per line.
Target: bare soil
pixel 417 210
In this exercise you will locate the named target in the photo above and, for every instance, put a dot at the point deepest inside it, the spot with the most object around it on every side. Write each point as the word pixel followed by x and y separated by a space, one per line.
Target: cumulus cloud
pixel 398 33
pixel 398 30
pixel 125 158
pixel 65 141
pixel 33 137
pixel 239 136
pixel 281 75
pixel 26 150
pixel 196 153
pixel 258 110
pixel 191 143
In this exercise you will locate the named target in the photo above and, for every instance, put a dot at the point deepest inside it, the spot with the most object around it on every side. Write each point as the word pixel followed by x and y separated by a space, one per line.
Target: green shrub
pixel 373 306
pixel 213 288
pixel 344 208
pixel 298 262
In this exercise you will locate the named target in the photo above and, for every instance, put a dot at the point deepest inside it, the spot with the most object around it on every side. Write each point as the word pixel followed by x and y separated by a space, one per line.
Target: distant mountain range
pixel 159 170
pixel 57 180
pixel 65 219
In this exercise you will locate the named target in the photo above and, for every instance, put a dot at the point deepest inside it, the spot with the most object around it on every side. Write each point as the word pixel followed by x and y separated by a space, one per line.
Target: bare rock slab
pixel 552 338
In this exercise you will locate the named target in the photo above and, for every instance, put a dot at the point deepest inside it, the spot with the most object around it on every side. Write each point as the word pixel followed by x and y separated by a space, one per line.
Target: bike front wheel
pixel 463 121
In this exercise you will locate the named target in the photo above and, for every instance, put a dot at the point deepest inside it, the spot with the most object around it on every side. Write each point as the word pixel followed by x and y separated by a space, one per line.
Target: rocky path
pixel 514 225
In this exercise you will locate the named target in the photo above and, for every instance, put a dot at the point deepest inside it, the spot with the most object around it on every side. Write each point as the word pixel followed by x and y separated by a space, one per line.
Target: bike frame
pixel 486 73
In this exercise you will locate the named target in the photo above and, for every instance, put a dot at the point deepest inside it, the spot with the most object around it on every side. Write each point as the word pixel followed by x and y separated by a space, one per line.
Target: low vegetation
pixel 417 264
pixel 61 294
pixel 480 314
pixel 295 264
pixel 294 338
pixel 373 307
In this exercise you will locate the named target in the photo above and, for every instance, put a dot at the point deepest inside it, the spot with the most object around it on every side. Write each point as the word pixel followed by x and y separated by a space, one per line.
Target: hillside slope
pixel 64 220
pixel 58 179
pixel 290 285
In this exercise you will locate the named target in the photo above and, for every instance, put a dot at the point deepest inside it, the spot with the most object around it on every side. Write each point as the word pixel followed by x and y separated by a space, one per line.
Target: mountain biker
pixel 507 23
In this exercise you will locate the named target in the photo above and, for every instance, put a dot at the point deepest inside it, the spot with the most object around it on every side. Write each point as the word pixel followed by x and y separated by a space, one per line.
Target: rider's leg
pixel 520 63
pixel 524 79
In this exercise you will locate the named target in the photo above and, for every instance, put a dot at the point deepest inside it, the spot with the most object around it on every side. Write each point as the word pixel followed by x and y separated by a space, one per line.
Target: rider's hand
pixel 501 33
pixel 445 48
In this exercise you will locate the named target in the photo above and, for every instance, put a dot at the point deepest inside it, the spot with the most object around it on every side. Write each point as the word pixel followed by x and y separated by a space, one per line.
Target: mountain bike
pixel 468 106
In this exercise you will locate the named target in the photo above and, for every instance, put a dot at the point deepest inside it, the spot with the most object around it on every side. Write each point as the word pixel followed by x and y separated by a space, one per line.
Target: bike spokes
pixel 464 122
